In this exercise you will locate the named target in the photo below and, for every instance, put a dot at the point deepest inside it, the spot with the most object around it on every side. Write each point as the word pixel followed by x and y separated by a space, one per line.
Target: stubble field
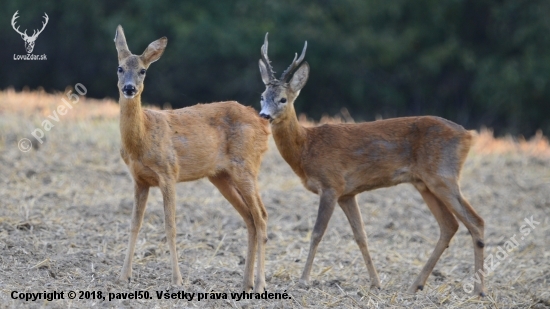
pixel 65 209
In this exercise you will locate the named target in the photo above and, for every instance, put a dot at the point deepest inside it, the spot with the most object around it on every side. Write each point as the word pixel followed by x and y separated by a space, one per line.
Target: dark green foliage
pixel 476 62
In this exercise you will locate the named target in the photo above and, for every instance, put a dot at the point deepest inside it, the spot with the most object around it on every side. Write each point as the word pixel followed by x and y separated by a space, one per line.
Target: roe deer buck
pixel 341 160
pixel 223 141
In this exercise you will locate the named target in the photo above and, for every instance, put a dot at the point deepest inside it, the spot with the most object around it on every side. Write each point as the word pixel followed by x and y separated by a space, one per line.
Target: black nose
pixel 129 90
pixel 265 116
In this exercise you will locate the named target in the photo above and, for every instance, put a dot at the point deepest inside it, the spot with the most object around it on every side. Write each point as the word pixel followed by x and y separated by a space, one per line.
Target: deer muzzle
pixel 265 116
pixel 129 91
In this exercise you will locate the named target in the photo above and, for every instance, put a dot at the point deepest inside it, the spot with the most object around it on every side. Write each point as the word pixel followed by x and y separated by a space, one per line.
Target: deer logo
pixel 29 40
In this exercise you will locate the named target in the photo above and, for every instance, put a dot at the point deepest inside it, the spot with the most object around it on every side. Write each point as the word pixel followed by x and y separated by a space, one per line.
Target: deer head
pixel 281 93
pixel 132 68
pixel 29 40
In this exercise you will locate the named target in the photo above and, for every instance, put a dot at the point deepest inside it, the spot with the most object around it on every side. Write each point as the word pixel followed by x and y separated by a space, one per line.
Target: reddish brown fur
pixel 372 155
pixel 222 141
pixel 338 161
pixel 191 143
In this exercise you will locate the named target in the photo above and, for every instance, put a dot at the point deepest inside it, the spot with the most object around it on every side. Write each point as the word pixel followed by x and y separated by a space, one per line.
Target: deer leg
pixel 326 208
pixel 449 193
pixel 351 209
pixel 447 228
pixel 260 270
pixel 246 186
pixel 140 201
pixel 168 189
pixel 227 189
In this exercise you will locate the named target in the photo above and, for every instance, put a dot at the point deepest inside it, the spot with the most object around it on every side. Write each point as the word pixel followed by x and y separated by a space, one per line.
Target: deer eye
pixel 120 70
pixel 142 72
pixel 283 100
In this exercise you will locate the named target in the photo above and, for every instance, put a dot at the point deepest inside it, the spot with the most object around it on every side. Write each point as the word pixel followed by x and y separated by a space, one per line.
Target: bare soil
pixel 65 211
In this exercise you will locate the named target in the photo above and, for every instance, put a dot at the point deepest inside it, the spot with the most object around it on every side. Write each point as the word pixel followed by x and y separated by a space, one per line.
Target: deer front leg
pixel 351 209
pixel 168 189
pixel 141 193
pixel 326 208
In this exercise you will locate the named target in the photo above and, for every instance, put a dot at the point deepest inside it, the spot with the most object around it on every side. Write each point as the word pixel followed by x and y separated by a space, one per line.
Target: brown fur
pixel 339 161
pixel 223 141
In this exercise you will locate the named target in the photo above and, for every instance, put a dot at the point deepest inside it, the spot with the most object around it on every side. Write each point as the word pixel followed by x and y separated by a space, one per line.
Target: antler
pixel 265 59
pixel 43 26
pixel 13 25
pixel 294 65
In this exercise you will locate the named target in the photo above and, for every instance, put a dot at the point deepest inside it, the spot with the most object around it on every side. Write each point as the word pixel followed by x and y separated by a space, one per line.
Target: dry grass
pixel 41 104
pixel 65 212
pixel 536 146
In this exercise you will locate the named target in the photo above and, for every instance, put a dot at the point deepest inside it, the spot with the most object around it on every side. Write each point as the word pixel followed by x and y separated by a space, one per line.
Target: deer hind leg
pixel 247 187
pixel 326 208
pixel 351 209
pixel 260 271
pixel 448 191
pixel 229 191
pixel 141 193
pixel 168 189
pixel 448 225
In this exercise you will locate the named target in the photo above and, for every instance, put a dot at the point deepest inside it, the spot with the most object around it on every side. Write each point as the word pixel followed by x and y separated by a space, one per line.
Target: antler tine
pixel 43 25
pixel 265 59
pixel 294 65
pixel 13 23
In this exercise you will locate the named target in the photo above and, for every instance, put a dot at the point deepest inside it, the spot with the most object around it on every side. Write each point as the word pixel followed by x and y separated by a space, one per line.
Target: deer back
pixel 365 156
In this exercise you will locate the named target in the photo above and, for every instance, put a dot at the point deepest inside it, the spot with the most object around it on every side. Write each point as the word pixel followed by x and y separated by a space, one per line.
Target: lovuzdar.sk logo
pixel 29 40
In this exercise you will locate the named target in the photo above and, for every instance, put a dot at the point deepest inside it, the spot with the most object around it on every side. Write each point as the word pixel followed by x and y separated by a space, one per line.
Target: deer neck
pixel 290 138
pixel 132 124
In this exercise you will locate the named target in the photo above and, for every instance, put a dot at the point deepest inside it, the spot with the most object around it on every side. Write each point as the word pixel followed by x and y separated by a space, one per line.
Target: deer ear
pixel 299 78
pixel 120 43
pixel 263 72
pixel 153 52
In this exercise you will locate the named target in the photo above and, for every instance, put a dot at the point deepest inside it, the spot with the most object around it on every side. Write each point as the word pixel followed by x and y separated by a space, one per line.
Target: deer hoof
pixel 414 288
pixel 177 281
pixel 303 283
pixel 124 279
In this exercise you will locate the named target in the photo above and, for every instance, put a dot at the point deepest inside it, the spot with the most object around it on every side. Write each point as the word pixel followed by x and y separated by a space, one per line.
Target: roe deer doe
pixel 339 161
pixel 223 141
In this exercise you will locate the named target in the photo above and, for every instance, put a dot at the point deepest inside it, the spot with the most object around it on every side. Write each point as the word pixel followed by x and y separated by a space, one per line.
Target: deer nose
pixel 265 116
pixel 129 90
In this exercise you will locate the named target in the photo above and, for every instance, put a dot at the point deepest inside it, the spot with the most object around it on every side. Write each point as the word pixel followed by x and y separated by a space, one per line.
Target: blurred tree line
pixel 476 62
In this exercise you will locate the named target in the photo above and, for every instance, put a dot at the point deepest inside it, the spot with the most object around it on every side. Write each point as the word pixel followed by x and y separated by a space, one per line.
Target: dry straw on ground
pixel 65 212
